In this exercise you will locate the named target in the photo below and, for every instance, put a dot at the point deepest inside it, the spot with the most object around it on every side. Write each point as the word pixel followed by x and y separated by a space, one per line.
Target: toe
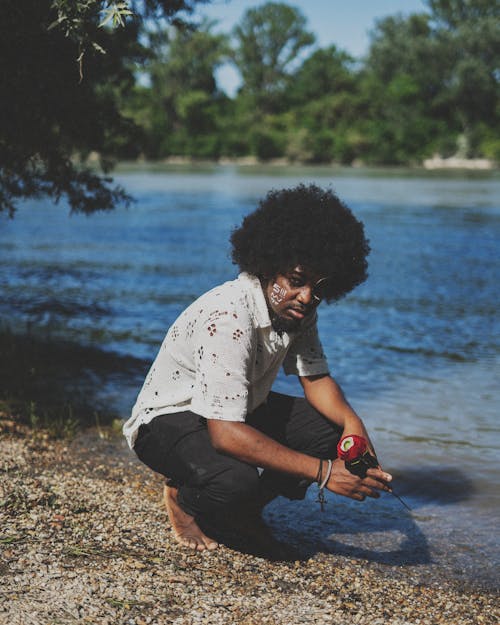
pixel 188 542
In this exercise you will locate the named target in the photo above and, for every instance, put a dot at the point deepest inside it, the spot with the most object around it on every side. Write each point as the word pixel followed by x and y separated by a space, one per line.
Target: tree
pixel 327 71
pixel 400 90
pixel 183 98
pixel 441 86
pixel 452 14
pixel 269 39
pixel 322 94
pixel 60 73
pixel 468 32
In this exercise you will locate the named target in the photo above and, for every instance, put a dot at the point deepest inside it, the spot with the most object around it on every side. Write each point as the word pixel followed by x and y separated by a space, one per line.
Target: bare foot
pixel 185 528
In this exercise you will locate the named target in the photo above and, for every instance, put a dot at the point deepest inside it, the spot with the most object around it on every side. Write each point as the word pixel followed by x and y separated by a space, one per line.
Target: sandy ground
pixel 84 539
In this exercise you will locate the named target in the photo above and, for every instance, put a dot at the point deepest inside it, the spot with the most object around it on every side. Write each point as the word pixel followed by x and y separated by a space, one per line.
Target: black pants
pixel 210 483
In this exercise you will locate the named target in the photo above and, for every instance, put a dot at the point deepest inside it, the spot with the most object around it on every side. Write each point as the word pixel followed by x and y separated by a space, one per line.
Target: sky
pixel 345 23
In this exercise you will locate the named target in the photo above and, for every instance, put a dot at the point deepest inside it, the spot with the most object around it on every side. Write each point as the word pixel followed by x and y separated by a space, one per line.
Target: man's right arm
pixel 247 444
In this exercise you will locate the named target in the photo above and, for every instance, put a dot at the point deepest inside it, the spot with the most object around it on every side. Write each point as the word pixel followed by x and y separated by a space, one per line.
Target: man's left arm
pixel 324 394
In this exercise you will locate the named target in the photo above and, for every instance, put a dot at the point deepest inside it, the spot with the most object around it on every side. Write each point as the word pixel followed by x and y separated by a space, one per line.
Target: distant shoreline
pixel 452 165
pixel 454 162
pixel 434 164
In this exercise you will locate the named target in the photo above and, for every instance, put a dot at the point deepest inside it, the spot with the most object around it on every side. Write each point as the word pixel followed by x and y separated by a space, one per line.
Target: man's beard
pixel 284 324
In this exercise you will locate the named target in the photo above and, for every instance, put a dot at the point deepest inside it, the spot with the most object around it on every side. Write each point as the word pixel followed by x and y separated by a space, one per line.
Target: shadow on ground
pixel 378 530
pixel 49 382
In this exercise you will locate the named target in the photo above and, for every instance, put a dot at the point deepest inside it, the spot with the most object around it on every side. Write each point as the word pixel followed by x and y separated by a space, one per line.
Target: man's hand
pixel 345 483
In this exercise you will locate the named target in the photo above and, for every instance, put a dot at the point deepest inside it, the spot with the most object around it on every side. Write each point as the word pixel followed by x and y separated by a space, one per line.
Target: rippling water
pixel 416 347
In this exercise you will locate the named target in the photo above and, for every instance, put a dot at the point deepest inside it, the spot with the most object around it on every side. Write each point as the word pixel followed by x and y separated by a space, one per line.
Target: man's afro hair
pixel 303 226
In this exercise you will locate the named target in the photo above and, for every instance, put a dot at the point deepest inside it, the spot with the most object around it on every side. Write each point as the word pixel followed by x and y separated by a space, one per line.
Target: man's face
pixel 293 296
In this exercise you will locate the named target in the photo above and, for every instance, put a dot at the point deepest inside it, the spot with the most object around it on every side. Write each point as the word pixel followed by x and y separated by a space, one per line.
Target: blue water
pixel 416 348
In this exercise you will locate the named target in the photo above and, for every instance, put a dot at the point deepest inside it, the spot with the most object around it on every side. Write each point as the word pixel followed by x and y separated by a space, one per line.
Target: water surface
pixel 416 348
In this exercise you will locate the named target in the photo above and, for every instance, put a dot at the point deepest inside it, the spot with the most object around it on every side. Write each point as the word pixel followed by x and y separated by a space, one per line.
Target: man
pixel 206 417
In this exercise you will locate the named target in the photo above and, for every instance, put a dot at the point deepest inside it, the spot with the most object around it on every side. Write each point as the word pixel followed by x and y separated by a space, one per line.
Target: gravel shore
pixel 84 538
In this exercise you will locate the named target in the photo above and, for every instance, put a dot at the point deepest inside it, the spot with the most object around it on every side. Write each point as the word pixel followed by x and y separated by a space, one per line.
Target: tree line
pixel 137 78
pixel 429 84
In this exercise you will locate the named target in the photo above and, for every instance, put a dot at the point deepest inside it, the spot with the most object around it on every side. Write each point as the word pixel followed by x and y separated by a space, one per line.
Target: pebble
pixel 84 537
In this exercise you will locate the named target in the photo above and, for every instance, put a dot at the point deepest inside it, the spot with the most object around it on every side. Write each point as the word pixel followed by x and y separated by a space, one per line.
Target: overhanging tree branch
pixel 62 66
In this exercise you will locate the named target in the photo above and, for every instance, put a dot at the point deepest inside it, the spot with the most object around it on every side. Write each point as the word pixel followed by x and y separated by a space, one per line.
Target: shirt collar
pixel 260 310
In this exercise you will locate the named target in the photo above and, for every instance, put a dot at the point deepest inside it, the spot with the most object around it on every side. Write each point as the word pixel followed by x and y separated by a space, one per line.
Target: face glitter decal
pixel 277 294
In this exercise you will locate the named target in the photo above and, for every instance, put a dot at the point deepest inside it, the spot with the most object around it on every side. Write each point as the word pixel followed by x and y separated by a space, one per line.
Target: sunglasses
pixel 319 290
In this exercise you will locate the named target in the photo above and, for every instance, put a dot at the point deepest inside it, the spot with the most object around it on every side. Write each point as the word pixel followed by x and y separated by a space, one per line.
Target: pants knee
pixel 234 486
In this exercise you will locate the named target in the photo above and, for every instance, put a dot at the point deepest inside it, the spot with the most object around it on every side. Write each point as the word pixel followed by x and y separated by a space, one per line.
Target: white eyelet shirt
pixel 221 356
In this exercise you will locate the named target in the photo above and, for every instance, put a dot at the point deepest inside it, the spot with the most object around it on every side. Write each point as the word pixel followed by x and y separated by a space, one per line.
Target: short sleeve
pixel 306 356
pixel 222 356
